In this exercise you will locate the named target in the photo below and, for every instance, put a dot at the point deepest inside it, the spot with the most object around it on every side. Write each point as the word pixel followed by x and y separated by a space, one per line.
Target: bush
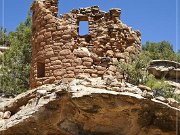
pixel 176 97
pixel 135 70
pixel 160 87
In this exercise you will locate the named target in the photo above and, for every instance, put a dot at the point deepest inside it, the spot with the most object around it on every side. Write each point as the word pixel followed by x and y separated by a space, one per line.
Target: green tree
pixel 16 61
pixel 3 36
pixel 178 55
pixel 161 50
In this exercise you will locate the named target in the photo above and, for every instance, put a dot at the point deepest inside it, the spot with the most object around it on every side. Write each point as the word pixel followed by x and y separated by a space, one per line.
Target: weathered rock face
pixel 59 52
pixel 84 108
pixel 165 68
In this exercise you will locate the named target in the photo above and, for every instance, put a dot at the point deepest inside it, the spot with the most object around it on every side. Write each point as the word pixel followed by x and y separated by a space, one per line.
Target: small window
pixel 40 70
pixel 83 28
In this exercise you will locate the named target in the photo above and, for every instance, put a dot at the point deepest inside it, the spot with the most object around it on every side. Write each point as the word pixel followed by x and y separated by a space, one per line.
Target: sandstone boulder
pixel 165 68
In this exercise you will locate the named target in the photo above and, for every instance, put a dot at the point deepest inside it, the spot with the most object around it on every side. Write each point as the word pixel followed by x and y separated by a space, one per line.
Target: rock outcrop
pixel 165 68
pixel 88 106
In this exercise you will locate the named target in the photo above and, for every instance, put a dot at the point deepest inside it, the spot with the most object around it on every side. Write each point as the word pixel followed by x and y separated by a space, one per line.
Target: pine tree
pixel 14 74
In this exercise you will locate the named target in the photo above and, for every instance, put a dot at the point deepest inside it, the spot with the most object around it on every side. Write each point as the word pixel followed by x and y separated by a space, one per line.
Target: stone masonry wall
pixel 59 52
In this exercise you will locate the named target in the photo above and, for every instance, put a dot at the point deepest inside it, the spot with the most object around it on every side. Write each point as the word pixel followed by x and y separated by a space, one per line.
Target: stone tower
pixel 59 52
pixel 51 5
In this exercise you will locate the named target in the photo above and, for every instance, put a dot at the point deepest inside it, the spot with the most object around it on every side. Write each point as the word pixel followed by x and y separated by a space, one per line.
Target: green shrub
pixel 160 86
pixel 135 70
pixel 176 97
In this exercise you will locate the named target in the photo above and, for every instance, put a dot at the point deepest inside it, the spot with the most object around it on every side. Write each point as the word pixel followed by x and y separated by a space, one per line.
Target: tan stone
pixel 110 53
pixel 49 53
pixel 52 20
pixel 58 33
pixel 100 68
pixel 66 37
pixel 82 75
pixel 70 71
pixel 87 63
pixel 42 43
pixel 47 34
pixel 56 62
pixel 130 49
pixel 69 76
pixel 49 80
pixel 59 72
pixel 61 57
pixel 57 79
pixel 7 115
pixel 143 87
pixel 39 83
pixel 70 68
pixel 66 65
pixel 80 53
pixel 40 38
pixel 78 61
pixel 87 59
pixel 71 56
pixel 81 67
pixel 66 80
pixel 94 75
pixel 100 72
pixel 67 60
pixel 57 66
pixel 65 52
pixel 90 71
pixel 76 71
pixel 53 58
pixel 61 27
pixel 95 58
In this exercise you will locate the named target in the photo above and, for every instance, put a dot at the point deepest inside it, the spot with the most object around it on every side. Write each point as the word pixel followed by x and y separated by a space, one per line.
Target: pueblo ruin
pixel 59 52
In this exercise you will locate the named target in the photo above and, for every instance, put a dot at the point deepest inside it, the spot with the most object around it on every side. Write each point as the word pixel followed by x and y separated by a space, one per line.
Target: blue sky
pixel 156 19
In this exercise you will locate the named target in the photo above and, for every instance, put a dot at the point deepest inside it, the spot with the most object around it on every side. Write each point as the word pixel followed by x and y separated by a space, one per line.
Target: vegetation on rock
pixel 133 69
pixel 136 69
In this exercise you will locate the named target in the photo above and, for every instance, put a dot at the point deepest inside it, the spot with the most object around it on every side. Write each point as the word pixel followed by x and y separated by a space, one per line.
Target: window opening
pixel 83 28
pixel 40 70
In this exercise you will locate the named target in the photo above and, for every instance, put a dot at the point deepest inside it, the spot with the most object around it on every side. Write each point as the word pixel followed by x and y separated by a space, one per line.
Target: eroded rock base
pixel 80 108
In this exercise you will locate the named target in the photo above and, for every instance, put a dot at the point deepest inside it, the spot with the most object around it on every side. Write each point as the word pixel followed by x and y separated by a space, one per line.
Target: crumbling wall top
pixel 51 5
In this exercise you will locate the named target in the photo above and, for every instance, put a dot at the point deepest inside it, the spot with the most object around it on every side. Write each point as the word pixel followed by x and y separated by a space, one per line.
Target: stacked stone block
pixel 57 45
